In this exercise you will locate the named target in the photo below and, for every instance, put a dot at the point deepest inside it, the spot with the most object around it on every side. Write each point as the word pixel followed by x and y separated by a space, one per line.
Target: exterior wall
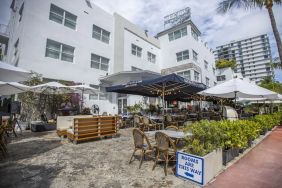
pixel 125 34
pixel 170 48
pixel 139 62
pixel 32 42
pixel 35 28
pixel 252 55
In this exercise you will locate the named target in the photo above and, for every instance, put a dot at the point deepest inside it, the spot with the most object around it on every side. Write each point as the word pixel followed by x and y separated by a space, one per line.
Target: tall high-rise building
pixel 252 56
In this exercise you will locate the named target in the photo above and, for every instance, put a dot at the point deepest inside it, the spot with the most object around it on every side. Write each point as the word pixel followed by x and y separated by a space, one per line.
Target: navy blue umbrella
pixel 170 87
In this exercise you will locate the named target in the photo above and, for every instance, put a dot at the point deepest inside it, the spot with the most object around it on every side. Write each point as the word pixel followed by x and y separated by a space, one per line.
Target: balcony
pixel 4 36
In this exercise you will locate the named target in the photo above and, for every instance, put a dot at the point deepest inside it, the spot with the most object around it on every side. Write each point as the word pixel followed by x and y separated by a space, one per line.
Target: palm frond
pixel 226 5
pixel 278 2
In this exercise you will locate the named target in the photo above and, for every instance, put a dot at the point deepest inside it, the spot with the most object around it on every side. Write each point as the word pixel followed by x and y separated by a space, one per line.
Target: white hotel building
pixel 74 40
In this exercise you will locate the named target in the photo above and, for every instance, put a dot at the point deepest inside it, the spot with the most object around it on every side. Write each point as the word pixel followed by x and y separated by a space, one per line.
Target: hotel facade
pixel 77 41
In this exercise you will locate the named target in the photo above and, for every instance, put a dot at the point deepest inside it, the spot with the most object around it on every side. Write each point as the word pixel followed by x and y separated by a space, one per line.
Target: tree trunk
pixel 275 32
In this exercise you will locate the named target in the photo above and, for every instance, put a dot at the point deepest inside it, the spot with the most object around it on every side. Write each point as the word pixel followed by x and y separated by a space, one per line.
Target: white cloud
pixel 217 29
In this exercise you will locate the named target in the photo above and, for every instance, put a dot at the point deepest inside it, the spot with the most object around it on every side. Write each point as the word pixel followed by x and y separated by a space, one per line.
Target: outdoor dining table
pixel 170 133
pixel 156 118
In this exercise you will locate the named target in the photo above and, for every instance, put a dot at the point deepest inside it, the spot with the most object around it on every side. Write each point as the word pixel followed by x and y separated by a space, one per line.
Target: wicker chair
pixel 172 128
pixel 169 121
pixel 165 150
pixel 3 142
pixel 137 121
pixel 141 142
pixel 149 124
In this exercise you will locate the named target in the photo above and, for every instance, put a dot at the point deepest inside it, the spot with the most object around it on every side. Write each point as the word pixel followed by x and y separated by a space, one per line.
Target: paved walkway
pixel 260 168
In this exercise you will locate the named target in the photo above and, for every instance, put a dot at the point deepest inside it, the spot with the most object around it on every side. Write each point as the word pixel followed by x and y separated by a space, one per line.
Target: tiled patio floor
pixel 260 168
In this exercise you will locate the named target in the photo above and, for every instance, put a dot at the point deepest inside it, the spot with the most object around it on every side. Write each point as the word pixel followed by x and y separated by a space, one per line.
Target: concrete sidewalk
pixel 260 168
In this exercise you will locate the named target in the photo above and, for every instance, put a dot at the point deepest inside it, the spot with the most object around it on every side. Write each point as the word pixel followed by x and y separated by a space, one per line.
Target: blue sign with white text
pixel 190 167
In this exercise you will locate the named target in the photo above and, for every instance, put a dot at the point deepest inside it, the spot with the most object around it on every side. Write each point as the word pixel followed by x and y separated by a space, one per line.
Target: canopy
pixel 171 87
pixel 52 88
pixel 10 73
pixel 84 89
pixel 10 88
pixel 238 88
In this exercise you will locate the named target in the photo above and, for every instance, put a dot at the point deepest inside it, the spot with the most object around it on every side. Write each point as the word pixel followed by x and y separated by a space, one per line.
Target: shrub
pixel 225 134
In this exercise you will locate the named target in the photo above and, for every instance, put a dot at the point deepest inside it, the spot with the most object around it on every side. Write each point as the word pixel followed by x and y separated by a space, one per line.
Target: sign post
pixel 190 167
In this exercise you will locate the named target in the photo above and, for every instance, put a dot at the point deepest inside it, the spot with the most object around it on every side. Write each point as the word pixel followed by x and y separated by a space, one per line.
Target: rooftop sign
pixel 177 17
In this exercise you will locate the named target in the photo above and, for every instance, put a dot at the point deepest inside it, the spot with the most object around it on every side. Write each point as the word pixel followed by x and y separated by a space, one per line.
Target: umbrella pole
pixel 81 105
pixel 163 106
pixel 235 99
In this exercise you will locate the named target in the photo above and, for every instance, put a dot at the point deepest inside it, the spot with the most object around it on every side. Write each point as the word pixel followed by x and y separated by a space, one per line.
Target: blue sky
pixel 216 29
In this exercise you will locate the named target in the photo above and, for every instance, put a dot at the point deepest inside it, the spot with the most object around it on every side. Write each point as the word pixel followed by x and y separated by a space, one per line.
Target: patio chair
pixel 169 121
pixel 165 150
pixel 137 121
pixel 10 127
pixel 172 128
pixel 3 142
pixel 142 143
pixel 149 125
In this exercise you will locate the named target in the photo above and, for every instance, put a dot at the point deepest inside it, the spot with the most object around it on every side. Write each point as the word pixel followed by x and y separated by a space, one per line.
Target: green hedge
pixel 225 134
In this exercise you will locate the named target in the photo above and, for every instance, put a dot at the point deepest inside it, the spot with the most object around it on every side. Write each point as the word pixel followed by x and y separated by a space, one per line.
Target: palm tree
pixel 226 5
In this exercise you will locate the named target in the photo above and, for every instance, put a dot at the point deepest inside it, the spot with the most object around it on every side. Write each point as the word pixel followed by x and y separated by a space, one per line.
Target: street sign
pixel 190 167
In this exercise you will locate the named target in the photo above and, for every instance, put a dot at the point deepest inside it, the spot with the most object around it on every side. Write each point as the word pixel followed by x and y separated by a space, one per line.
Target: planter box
pixel 211 166
pixel 227 155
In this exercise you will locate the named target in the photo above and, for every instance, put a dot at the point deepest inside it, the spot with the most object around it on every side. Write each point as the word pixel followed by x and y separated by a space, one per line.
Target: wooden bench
pixel 66 122
pixel 92 128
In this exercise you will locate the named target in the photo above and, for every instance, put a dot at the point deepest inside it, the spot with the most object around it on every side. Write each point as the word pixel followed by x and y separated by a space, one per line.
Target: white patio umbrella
pixel 238 88
pixel 83 89
pixel 51 88
pixel 10 73
pixel 10 88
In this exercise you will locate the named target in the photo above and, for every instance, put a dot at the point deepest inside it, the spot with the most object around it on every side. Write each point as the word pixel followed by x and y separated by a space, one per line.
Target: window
pixel 194 34
pixel 206 65
pixel 99 62
pixel 196 76
pixel 16 47
pixel 195 55
pixel 102 94
pixel 136 50
pixel 61 16
pixel 88 3
pixel 101 34
pixel 135 69
pixel 96 95
pixel 213 70
pixel 21 12
pixel 180 56
pixel 151 57
pixel 177 34
pixel 60 51
pixel 207 81
pixel 221 78
pixel 185 74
